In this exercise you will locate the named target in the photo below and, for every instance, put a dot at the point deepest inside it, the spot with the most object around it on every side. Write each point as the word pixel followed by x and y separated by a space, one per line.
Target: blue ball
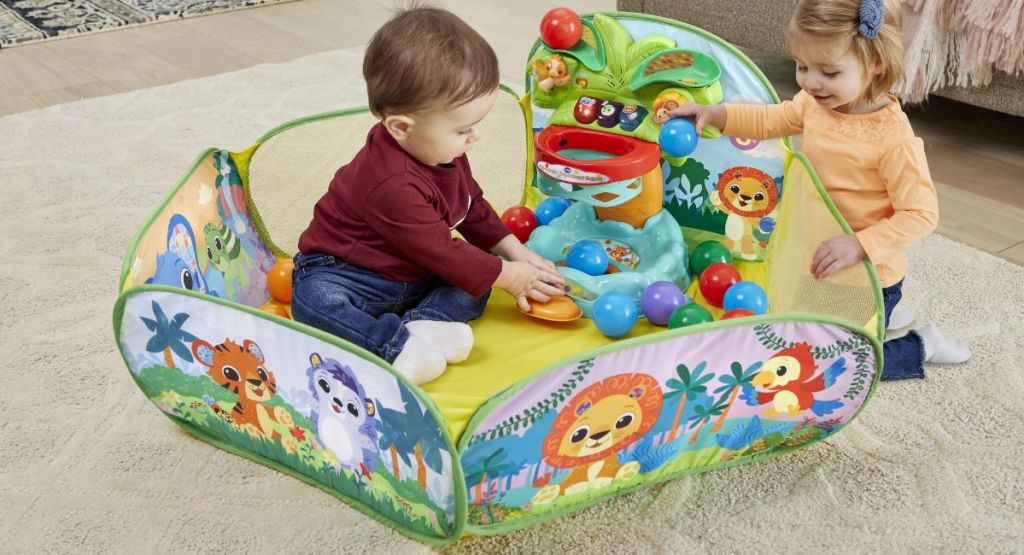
pixel 588 257
pixel 748 295
pixel 767 224
pixel 615 313
pixel 551 209
pixel 678 137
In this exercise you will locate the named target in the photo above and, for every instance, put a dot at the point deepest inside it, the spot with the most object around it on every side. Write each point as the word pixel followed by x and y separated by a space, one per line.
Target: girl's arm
pixel 750 121
pixel 915 204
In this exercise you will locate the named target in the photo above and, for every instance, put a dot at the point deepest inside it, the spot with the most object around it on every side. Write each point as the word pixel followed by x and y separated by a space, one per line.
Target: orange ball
pixel 279 280
pixel 274 309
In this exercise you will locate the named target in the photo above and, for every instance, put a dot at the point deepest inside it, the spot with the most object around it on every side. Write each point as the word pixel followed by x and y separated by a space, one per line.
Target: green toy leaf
pixel 676 66
pixel 590 50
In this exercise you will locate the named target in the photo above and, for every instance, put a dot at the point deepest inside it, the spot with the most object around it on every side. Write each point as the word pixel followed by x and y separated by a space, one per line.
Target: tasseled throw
pixel 961 42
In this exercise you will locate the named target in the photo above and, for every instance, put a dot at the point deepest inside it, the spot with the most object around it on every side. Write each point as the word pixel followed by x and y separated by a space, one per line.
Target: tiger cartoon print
pixel 240 369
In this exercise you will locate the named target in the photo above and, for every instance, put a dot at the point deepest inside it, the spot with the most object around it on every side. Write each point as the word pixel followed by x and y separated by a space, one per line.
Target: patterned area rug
pixel 25 21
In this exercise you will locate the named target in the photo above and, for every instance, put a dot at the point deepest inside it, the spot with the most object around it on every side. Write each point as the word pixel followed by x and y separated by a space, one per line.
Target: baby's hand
pixel 539 262
pixel 702 113
pixel 523 280
pixel 835 254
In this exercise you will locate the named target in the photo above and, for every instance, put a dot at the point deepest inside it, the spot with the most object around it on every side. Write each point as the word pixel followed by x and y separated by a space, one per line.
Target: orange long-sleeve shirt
pixel 872 166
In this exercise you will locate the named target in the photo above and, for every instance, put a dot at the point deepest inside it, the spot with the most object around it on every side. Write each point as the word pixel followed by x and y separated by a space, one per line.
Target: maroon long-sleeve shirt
pixel 387 212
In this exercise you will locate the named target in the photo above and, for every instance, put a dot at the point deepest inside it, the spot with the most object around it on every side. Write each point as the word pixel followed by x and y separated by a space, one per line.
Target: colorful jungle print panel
pixel 293 400
pixel 204 239
pixel 679 406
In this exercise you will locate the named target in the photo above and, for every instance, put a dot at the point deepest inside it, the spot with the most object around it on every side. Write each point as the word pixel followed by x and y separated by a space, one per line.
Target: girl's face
pixel 830 72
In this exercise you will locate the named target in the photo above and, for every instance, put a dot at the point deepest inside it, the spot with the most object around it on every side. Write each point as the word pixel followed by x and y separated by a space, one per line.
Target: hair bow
pixel 872 12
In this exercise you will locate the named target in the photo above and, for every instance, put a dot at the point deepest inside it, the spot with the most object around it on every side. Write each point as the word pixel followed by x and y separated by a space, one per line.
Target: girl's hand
pixel 835 254
pixel 702 114
pixel 524 281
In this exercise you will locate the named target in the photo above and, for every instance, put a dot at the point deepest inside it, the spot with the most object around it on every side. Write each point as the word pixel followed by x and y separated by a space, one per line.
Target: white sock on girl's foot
pixel 941 349
pixel 419 362
pixel 900 317
pixel 454 340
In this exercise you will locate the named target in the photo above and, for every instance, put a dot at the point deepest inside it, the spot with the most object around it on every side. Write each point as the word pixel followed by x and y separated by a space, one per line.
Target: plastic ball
pixel 561 28
pixel 588 257
pixel 715 280
pixel 689 315
pixel 279 280
pixel 708 253
pixel 274 309
pixel 660 299
pixel 678 137
pixel 736 313
pixel 551 209
pixel 615 313
pixel 767 224
pixel 521 221
pixel 746 295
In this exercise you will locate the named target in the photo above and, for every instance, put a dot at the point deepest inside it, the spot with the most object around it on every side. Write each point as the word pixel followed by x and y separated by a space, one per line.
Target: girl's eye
pixel 465 131
pixel 830 74
pixel 801 68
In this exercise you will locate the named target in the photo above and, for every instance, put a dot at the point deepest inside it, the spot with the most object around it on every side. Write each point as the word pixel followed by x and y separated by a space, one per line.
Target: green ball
pixel 688 315
pixel 708 253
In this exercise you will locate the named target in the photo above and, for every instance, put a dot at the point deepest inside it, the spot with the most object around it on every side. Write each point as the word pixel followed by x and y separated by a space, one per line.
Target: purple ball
pixel 660 299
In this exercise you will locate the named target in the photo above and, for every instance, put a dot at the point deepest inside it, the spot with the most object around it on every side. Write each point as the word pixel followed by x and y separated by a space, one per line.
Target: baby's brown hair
pixel 841 20
pixel 425 59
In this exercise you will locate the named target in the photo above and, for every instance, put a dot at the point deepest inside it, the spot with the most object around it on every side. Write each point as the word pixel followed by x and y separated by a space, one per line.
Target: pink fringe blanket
pixel 960 42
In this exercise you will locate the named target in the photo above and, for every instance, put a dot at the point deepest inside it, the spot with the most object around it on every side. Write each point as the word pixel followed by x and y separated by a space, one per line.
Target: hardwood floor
pixel 976 156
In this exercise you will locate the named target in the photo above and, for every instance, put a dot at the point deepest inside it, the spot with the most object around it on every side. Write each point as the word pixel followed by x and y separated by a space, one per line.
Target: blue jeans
pixel 363 308
pixel 904 356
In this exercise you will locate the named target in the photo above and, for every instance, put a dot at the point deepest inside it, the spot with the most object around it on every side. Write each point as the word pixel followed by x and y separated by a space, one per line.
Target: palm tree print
pixel 393 438
pixel 168 336
pixel 418 434
pixel 687 388
pixel 731 385
pixel 479 471
pixel 703 414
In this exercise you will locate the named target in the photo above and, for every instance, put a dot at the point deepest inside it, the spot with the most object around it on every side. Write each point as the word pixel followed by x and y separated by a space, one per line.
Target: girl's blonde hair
pixel 840 20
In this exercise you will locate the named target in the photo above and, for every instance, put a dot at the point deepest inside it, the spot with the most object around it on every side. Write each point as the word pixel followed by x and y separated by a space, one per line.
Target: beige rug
pixel 87 464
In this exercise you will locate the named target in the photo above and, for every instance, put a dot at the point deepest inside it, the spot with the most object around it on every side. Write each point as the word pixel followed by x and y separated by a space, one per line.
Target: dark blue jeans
pixel 903 356
pixel 359 306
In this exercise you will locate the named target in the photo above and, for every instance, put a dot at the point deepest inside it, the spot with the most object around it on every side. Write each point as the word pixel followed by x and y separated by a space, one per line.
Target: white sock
pixel 900 317
pixel 454 340
pixel 419 362
pixel 940 349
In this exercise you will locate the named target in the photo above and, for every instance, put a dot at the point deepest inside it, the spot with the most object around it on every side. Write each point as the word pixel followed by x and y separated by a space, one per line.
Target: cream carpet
pixel 88 465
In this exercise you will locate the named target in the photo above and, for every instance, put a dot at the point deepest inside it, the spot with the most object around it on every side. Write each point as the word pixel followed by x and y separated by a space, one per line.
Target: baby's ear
pixel 398 126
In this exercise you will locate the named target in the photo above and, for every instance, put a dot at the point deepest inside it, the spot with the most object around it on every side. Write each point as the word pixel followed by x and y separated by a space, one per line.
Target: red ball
pixel 521 221
pixel 715 280
pixel 736 313
pixel 561 28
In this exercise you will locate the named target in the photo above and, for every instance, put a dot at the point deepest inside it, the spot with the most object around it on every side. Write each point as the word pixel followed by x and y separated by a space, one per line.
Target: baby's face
pixel 830 72
pixel 441 136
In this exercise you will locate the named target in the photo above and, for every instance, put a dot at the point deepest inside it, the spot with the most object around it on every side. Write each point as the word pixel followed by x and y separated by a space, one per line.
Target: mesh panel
pixel 804 222
pixel 291 170
pixel 499 159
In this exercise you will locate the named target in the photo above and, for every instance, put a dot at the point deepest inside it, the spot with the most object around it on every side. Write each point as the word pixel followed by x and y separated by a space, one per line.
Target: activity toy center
pixel 649 223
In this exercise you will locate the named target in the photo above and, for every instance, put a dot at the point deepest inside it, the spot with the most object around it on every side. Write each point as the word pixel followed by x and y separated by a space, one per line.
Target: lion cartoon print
pixel 745 195
pixel 593 427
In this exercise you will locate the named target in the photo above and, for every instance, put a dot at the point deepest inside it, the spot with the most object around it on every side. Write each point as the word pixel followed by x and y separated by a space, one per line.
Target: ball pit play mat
pixel 543 418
